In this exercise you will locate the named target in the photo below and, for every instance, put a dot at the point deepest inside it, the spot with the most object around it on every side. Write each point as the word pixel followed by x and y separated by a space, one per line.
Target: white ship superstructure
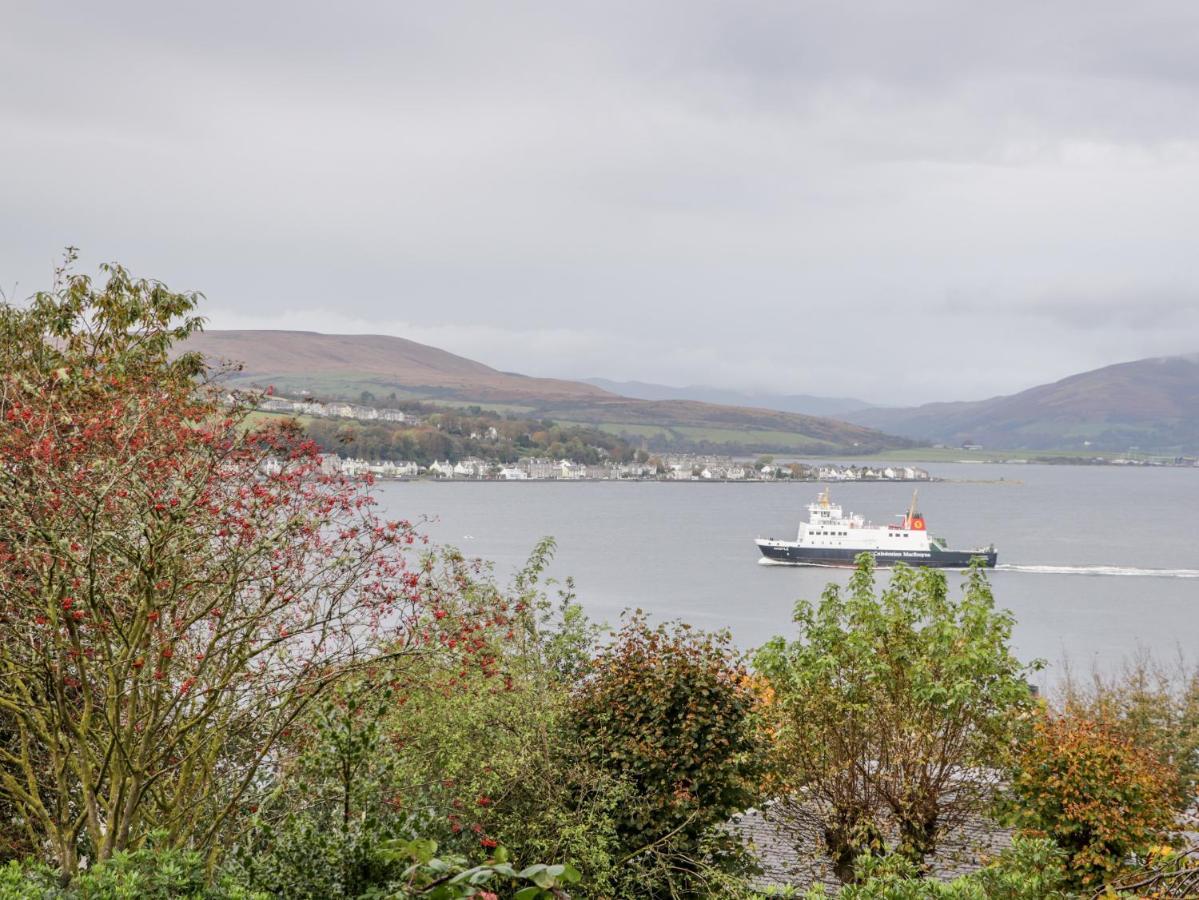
pixel 828 526
pixel 832 538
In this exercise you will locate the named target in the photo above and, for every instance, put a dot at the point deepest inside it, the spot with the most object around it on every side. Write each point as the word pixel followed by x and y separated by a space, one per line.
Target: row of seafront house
pixel 677 467
pixel 669 468
pixel 335 410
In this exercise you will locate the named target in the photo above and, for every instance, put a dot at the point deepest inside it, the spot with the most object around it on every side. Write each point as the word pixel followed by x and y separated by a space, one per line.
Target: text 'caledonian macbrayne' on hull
pixel 830 538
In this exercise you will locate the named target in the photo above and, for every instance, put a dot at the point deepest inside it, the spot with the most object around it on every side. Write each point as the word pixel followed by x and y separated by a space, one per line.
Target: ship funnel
pixel 914 521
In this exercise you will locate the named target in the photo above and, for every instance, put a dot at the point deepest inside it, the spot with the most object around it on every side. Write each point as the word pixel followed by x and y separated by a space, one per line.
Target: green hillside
pixel 394 370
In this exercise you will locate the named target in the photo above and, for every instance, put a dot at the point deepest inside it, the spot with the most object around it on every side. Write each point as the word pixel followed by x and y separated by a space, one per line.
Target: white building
pixel 635 470
pixel 443 469
pixel 277 404
pixel 471 467
pixel 354 468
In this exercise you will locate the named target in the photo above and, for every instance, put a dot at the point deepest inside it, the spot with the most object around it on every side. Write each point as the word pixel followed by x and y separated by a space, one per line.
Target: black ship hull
pixel 790 553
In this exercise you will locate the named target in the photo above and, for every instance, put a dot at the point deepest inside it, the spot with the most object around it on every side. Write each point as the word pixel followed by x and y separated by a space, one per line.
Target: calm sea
pixel 1094 562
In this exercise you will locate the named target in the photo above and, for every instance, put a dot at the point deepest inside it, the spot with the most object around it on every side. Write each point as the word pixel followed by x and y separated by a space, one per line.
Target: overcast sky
pixel 902 201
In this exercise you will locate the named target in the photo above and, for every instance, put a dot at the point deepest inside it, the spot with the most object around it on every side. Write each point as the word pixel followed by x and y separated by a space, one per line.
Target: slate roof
pixel 785 837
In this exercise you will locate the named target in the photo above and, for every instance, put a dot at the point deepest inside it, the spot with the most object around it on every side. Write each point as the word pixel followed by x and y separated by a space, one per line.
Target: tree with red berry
pixel 176 587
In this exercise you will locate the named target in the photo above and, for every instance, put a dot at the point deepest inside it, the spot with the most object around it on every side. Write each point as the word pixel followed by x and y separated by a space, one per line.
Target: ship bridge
pixel 825 512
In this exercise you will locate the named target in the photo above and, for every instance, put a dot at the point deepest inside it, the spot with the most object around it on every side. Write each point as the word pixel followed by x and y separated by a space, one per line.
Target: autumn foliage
pixel 1101 798
pixel 219 668
pixel 177 587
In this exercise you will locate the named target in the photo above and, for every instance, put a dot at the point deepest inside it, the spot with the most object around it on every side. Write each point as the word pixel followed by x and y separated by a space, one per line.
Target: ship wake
pixel 1124 571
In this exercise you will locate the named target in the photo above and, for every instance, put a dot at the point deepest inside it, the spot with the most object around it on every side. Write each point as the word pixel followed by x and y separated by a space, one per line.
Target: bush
pixel 307 858
pixel 469 745
pixel 1031 869
pixel 896 707
pixel 671 712
pixel 1154 705
pixel 417 871
pixel 151 873
pixel 1099 796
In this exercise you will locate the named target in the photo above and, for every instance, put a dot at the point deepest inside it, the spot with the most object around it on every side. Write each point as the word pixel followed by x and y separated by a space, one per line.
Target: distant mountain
pixel 395 369
pixel 796 403
pixel 1151 404
pixel 345 364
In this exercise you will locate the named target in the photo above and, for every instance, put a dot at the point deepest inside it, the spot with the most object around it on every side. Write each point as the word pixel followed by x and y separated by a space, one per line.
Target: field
pixel 956 454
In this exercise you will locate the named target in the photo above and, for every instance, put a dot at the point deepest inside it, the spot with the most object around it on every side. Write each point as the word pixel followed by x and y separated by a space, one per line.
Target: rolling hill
pixel 1149 404
pixel 344 366
pixel 806 404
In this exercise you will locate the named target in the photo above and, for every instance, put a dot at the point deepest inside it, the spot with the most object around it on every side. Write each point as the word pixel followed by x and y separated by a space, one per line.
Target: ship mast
pixel 911 510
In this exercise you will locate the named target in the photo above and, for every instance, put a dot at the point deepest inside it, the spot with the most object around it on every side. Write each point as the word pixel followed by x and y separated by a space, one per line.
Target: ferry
pixel 830 538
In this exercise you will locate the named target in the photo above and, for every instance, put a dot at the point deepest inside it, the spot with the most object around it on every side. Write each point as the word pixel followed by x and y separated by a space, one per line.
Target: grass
pixel 956 454
pixel 734 438
pixel 501 408
pixel 784 439
pixel 618 429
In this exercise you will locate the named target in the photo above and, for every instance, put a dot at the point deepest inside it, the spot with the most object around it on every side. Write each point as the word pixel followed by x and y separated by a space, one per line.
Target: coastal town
pixel 643 466
pixel 684 467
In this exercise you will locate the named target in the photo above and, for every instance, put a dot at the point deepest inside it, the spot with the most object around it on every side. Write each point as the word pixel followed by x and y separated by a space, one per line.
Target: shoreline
pixel 688 481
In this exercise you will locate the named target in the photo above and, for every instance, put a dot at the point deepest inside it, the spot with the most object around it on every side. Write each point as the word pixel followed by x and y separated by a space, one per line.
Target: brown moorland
pixel 345 366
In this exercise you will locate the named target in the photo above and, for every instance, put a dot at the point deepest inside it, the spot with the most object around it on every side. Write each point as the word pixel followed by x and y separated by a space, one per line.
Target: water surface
pixel 1094 561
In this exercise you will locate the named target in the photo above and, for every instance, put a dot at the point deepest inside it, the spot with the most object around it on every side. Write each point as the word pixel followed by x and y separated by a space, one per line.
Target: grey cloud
pixel 769 195
pixel 1150 311
pixel 1150 308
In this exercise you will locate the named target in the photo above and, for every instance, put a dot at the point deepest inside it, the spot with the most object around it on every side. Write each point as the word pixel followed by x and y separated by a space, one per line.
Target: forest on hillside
pixel 455 435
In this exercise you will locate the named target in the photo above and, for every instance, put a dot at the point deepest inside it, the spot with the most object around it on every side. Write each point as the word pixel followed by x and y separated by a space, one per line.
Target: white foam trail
pixel 1126 571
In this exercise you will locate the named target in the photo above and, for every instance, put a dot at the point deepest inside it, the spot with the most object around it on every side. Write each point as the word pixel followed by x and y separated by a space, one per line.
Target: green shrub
pixel 469 745
pixel 150 873
pixel 1031 869
pixel 886 698
pixel 310 859
pixel 671 712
